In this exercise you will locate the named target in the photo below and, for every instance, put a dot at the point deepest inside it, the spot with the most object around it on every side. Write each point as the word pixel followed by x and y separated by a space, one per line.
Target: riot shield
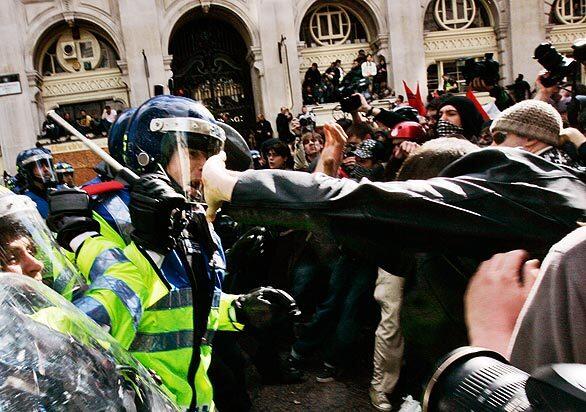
pixel 54 358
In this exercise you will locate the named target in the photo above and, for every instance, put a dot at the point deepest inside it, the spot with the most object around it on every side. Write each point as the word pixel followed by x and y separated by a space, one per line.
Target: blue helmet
pixel 117 135
pixel 162 123
pixel 63 167
pixel 35 166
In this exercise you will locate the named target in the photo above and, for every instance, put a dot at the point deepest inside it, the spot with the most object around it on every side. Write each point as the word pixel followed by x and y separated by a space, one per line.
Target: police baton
pixel 121 172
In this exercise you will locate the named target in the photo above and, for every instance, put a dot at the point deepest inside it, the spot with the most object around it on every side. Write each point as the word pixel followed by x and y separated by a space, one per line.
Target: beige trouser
pixel 388 343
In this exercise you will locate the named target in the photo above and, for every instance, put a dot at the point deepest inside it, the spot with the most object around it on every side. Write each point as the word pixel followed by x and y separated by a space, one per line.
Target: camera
pixel 557 65
pixel 351 103
pixel 476 379
pixel 487 70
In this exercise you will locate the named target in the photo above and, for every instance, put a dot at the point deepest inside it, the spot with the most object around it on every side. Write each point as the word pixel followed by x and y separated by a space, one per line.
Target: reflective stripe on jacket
pixel 130 296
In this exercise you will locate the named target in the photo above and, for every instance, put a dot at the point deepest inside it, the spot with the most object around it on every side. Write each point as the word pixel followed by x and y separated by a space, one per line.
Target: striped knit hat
pixel 531 118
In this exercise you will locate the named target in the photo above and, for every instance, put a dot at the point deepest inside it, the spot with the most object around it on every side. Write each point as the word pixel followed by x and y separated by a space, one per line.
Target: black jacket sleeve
pixel 521 201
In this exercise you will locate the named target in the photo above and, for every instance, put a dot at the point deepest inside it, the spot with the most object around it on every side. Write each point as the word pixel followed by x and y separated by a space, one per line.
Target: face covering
pixel 358 172
pixel 446 129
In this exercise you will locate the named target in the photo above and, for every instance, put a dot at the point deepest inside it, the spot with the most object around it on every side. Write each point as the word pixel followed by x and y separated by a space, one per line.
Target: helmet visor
pixel 27 247
pixel 183 157
pixel 42 171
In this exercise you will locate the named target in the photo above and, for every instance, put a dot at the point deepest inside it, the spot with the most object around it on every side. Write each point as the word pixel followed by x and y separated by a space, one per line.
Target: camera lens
pixel 475 379
pixel 68 49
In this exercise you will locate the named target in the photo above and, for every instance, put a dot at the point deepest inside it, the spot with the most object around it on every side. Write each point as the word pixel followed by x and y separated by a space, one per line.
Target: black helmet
pixel 408 112
pixel 238 156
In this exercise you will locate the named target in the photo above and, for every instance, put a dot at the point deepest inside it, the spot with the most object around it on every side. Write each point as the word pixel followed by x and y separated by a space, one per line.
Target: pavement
pixel 349 393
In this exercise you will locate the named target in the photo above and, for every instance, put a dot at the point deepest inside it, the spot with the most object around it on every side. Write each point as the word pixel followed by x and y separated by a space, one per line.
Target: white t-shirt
pixel 368 69
pixel 109 117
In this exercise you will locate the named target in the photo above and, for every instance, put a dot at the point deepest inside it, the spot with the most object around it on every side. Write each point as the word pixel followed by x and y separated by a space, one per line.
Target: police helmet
pixel 117 135
pixel 175 133
pixel 36 166
pixel 63 170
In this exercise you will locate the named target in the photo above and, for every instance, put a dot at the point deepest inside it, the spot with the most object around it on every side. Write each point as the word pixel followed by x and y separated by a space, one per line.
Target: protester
pixel 307 151
pixel 534 126
pixel 458 115
pixel 279 156
pixel 283 125
pixel 424 162
pixel 550 213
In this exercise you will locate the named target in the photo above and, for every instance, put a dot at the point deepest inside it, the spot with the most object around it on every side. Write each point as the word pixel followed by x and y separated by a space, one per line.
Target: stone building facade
pixel 245 57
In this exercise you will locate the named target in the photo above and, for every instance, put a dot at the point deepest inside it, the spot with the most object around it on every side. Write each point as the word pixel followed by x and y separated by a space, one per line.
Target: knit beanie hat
pixel 531 118
pixel 470 116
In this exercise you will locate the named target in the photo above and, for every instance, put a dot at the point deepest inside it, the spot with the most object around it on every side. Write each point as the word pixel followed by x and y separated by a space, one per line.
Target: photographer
pixel 306 120
pixel 534 126
pixel 510 301
pixel 483 76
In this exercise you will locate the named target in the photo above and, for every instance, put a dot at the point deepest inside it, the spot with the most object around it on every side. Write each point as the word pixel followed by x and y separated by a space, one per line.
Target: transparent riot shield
pixel 28 246
pixel 54 358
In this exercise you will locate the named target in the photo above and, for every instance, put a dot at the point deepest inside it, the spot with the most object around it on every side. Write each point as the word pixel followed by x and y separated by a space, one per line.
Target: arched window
pixel 332 24
pixel 77 50
pixel 568 12
pixel 457 15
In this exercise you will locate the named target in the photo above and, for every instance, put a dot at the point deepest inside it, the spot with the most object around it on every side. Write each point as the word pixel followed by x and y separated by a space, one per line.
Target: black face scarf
pixel 447 129
pixel 472 120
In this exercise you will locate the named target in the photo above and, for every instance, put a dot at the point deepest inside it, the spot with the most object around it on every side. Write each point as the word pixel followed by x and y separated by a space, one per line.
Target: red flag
pixel 471 96
pixel 420 105
pixel 409 93
pixel 414 99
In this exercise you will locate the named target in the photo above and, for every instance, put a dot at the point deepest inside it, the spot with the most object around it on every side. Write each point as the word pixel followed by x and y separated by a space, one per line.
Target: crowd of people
pixel 90 126
pixel 327 87
pixel 416 231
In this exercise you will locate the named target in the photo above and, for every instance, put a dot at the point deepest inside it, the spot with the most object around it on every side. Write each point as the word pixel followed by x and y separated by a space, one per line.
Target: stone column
pixel 406 52
pixel 281 84
pixel 17 131
pixel 140 30
pixel 527 30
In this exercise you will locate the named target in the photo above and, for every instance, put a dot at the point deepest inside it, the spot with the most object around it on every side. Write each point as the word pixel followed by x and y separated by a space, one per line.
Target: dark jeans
pixel 336 321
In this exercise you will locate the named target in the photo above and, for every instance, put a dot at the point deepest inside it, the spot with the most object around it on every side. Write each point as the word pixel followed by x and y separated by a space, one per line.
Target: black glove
pixel 155 210
pixel 70 215
pixel 264 307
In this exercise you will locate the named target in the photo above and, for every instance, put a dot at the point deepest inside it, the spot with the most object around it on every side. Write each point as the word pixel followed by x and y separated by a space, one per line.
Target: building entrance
pixel 209 65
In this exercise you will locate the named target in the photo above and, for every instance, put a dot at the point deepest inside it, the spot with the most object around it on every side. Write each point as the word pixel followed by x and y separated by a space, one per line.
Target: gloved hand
pixel 70 215
pixel 154 209
pixel 264 307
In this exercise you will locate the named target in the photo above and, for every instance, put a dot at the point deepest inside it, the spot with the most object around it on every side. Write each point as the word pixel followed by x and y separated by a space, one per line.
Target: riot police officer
pixel 154 264
pixel 36 175
pixel 64 172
